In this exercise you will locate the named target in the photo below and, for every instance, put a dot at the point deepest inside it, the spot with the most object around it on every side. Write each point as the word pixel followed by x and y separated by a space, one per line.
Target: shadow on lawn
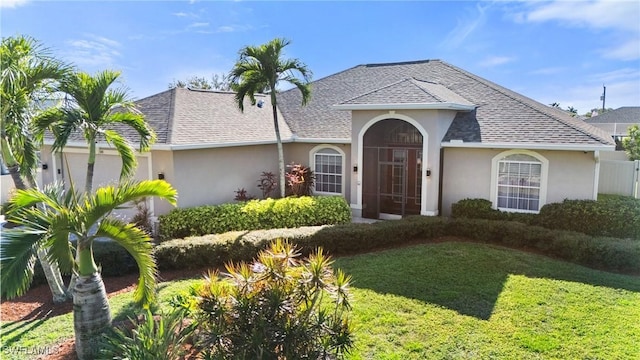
pixel 468 278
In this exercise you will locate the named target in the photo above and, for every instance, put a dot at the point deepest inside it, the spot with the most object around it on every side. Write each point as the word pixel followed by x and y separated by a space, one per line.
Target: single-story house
pixel 394 139
pixel 617 122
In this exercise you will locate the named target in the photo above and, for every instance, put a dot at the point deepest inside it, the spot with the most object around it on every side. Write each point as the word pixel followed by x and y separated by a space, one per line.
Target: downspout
pixel 596 175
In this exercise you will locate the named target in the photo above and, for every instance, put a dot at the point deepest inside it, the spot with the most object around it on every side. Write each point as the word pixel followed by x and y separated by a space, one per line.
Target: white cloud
pixel 548 71
pixel 465 27
pixel 599 14
pixel 94 51
pixel 629 50
pixel 620 18
pixel 496 60
pixel 198 25
pixel 12 3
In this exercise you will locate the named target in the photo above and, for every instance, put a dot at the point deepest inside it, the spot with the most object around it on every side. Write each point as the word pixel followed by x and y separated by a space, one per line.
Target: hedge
pixel 611 215
pixel 612 254
pixel 287 212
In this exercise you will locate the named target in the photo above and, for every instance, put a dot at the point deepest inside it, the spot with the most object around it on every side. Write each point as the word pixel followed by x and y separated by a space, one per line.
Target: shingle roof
pixel 409 91
pixel 192 117
pixel 502 116
pixel 625 115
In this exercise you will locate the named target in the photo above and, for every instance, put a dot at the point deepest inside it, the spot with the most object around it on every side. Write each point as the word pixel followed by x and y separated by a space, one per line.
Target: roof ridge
pixel 171 123
pixel 525 101
pixel 414 80
pixel 378 89
pixel 399 63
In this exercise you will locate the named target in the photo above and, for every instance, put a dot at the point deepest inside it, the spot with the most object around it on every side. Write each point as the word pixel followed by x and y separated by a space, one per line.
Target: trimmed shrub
pixel 621 255
pixel 611 215
pixel 255 214
pixel 482 209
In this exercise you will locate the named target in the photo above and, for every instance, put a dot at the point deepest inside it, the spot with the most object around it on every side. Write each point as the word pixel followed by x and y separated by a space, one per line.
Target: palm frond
pixel 137 122
pixel 138 244
pixel 108 198
pixel 127 154
pixel 18 255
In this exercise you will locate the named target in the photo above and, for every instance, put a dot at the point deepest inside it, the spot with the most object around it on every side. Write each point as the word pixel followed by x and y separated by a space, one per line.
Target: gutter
pixel 536 146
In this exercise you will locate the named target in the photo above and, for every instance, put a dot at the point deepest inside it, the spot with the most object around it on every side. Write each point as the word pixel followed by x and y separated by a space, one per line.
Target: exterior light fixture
pixel 260 103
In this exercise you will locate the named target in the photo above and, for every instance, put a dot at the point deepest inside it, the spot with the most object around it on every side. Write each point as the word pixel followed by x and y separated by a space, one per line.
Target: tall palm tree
pixel 260 69
pixel 66 213
pixel 27 72
pixel 98 111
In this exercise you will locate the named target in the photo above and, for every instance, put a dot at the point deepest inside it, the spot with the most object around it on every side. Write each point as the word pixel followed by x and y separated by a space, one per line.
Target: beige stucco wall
pixel 211 176
pixel 614 155
pixel 467 174
pixel 434 122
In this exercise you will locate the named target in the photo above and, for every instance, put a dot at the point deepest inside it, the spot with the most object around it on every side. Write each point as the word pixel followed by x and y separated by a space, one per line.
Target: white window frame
pixel 312 162
pixel 544 175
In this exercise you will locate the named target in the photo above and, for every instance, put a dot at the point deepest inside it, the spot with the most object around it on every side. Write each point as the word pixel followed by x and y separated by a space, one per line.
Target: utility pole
pixel 604 96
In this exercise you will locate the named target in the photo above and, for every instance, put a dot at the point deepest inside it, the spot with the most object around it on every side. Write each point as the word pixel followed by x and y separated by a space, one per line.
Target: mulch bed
pixel 37 304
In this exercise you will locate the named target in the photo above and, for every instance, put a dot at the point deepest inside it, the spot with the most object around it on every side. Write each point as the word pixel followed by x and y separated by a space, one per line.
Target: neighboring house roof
pixel 194 118
pixel 616 122
pixel 502 116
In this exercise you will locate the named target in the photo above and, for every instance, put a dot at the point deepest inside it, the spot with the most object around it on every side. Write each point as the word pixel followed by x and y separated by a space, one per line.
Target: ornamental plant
pixel 300 180
pixel 278 307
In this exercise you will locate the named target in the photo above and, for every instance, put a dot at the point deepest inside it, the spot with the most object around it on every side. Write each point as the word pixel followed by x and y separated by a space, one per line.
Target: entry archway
pixel 392 169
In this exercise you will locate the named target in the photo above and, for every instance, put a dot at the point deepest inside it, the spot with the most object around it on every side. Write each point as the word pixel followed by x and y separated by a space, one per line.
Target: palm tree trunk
pixel 50 269
pixel 88 185
pixel 91 314
pixel 281 168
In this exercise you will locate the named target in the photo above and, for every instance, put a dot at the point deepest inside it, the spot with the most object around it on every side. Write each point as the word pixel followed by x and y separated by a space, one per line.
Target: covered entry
pixel 392 170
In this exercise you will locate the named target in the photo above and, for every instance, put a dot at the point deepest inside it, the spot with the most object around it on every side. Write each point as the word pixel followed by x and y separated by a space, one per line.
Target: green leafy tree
pixel 262 68
pixel 217 82
pixel 631 143
pixel 66 213
pixel 98 111
pixel 28 72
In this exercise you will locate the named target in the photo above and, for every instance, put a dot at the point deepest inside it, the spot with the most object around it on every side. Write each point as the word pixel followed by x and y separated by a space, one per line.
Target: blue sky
pixel 558 51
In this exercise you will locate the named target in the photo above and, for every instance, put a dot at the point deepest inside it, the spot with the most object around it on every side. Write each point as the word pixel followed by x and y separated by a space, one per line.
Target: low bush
pixel 611 215
pixel 482 209
pixel 277 307
pixel 613 254
pixel 255 214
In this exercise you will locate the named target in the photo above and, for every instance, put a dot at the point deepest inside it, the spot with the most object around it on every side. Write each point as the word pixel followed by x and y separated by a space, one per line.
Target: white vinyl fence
pixel 619 177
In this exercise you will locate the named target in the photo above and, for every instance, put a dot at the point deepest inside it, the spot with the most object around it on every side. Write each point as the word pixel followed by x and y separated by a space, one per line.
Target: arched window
pixel 327 163
pixel 519 181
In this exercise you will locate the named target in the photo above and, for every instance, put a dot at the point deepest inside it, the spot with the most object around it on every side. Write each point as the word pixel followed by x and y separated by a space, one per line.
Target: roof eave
pixel 530 146
pixel 406 106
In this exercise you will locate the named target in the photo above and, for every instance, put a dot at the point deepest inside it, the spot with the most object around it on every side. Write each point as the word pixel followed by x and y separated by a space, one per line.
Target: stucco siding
pixel 162 163
pixel 467 174
pixel 211 176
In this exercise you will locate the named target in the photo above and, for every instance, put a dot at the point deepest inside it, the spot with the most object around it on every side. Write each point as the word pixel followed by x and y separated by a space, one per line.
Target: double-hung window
pixel 328 171
pixel 519 183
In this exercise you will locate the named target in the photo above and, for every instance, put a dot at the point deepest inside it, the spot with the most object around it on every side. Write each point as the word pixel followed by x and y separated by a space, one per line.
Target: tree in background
pixel 95 111
pixel 261 69
pixel 28 72
pixel 66 213
pixel 217 82
pixel 631 143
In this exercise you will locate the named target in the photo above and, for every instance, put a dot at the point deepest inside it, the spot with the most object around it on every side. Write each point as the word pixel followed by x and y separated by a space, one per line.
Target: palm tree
pixel 98 111
pixel 65 213
pixel 27 73
pixel 260 69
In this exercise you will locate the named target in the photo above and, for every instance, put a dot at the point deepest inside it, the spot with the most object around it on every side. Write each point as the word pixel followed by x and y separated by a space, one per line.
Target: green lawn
pixel 458 301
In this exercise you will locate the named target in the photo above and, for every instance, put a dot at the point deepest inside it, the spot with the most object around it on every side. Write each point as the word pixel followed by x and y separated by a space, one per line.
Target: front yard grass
pixel 455 301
